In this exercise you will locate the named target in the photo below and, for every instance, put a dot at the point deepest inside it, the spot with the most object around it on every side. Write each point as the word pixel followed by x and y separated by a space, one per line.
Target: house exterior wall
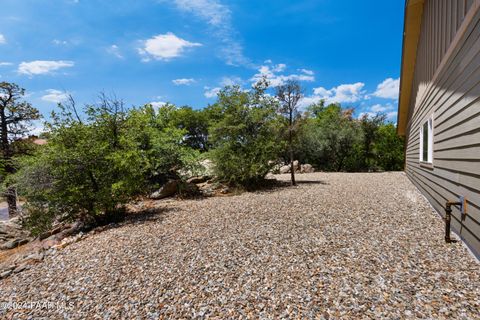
pixel 446 87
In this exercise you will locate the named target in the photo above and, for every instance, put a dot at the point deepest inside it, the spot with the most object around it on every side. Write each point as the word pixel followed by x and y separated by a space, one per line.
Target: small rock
pixel 10 244
pixel 197 180
pixel 20 268
pixel 167 190
pixel 35 257
pixel 22 242
pixel 5 274
pixel 225 190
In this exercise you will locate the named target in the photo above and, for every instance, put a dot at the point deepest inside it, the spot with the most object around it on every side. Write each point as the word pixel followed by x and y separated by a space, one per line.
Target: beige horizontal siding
pixel 447 85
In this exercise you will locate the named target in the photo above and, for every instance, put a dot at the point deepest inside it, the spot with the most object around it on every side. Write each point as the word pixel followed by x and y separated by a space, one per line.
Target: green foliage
pixel 329 138
pixel 332 140
pixel 389 148
pixel 16 116
pixel 95 163
pixel 195 123
pixel 244 140
pixel 90 169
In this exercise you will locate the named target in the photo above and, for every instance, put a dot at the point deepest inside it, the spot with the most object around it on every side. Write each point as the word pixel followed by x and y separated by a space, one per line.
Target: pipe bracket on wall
pixel 463 207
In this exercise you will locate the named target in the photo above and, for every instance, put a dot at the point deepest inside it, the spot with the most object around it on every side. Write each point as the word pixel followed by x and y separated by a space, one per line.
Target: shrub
pixel 244 140
pixel 90 169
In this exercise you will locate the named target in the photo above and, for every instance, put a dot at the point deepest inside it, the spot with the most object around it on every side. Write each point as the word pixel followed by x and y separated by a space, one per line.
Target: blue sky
pixel 182 51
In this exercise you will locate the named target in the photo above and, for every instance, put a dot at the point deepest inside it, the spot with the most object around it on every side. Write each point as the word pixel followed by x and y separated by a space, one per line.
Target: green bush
pixel 90 169
pixel 244 140
pixel 332 140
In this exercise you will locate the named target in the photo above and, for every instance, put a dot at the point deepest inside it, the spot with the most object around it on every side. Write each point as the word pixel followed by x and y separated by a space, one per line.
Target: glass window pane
pixel 425 142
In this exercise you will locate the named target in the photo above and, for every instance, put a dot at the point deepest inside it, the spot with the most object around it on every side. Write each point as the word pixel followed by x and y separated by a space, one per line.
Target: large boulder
pixel 296 166
pixel 285 169
pixel 12 234
pixel 167 190
pixel 207 167
pixel 307 168
pixel 204 168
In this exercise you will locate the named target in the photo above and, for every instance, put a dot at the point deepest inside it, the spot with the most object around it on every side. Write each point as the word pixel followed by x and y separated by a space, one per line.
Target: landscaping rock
pixel 21 268
pixel 198 180
pixel 13 244
pixel 296 165
pixel 168 190
pixel 5 274
pixel 307 168
pixel 208 167
pixel 285 169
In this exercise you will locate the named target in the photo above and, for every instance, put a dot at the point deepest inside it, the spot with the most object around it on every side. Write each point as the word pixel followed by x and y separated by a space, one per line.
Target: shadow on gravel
pixel 151 214
pixel 139 217
pixel 276 185
pixel 311 182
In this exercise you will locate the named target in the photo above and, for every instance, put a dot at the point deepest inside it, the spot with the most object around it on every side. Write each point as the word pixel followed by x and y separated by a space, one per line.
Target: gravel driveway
pixel 350 246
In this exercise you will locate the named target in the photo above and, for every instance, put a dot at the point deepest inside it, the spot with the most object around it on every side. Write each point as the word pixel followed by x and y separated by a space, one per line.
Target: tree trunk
pixel 11 196
pixel 292 168
pixel 290 142
pixel 11 193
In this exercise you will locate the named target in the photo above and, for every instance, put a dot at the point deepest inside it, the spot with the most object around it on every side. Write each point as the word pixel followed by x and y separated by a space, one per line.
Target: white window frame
pixel 429 123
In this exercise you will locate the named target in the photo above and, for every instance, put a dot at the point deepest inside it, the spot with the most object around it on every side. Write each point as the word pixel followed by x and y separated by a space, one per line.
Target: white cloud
pixel 367 114
pixel 306 71
pixel 165 47
pixel 271 73
pixel 344 93
pixel 388 110
pixel 279 67
pixel 115 50
pixel 2 39
pixel 211 92
pixel 157 104
pixel 392 115
pixel 59 42
pixel 379 108
pixel 43 67
pixel 388 89
pixel 183 82
pixel 55 96
pixel 218 17
pixel 5 64
pixel 212 11
pixel 231 81
pixel 308 101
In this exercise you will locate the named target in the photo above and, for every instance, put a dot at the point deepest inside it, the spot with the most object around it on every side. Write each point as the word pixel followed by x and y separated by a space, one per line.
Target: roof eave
pixel 411 35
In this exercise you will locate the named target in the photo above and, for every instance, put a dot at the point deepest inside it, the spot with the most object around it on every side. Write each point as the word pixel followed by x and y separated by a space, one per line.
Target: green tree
pixel 195 123
pixel 389 148
pixel 329 138
pixel 15 118
pixel 91 167
pixel 289 95
pixel 244 139
pixel 370 126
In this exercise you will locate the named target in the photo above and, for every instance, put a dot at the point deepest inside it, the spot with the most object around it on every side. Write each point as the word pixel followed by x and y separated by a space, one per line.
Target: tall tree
pixel 289 95
pixel 370 126
pixel 15 117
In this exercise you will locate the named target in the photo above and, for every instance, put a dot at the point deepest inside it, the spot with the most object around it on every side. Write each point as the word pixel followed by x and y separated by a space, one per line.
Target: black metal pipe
pixel 448 219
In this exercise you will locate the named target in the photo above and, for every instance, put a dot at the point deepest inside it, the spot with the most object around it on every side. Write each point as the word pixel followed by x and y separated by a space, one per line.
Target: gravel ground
pixel 350 246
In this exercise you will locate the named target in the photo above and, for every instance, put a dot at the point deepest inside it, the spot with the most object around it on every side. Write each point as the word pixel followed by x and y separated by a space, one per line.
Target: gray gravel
pixel 350 246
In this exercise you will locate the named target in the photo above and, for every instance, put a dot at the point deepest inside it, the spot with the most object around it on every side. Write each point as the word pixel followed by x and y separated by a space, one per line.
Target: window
pixel 426 141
